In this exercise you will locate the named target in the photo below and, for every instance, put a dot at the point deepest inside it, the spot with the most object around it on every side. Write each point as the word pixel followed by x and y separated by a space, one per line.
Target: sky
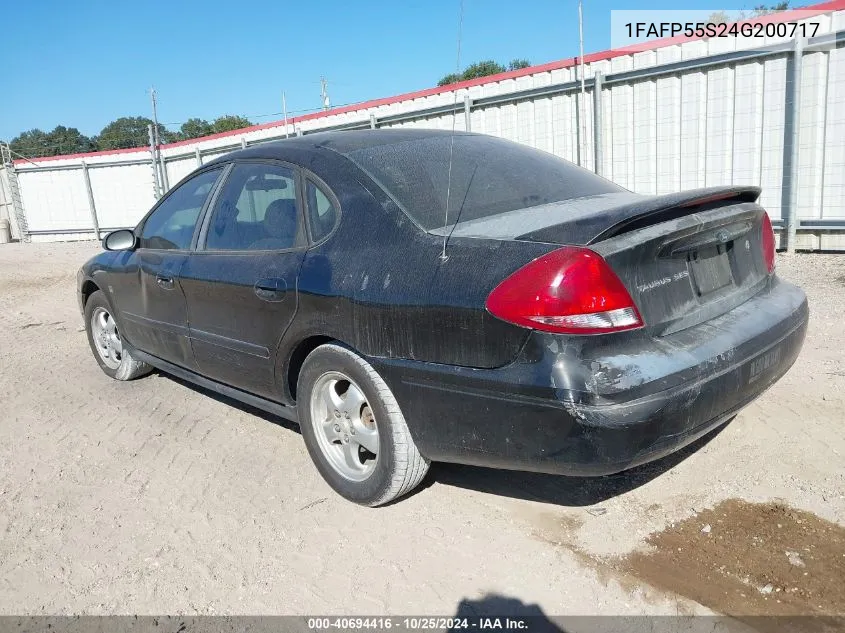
pixel 85 63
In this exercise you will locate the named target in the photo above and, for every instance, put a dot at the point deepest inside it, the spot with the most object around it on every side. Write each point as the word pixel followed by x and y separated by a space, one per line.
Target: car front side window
pixel 171 225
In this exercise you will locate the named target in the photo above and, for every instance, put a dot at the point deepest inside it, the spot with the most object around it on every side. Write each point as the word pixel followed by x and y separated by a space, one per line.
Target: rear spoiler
pixel 643 211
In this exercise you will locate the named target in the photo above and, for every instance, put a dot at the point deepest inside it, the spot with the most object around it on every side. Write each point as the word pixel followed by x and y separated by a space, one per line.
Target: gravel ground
pixel 156 497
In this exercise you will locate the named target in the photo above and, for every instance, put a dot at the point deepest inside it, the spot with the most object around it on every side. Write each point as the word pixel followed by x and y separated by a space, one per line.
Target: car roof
pixel 340 141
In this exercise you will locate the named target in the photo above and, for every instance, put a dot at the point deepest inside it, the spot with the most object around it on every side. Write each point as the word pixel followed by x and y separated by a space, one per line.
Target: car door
pixel 146 292
pixel 240 282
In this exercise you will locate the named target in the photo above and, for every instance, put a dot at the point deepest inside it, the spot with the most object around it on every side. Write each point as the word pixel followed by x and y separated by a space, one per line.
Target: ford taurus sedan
pixel 414 296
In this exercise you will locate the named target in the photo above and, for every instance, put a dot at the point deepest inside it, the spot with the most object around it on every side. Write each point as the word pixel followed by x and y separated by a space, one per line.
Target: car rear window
pixel 489 176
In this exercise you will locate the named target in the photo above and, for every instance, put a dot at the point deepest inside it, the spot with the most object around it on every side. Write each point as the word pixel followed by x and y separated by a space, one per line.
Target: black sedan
pixel 409 296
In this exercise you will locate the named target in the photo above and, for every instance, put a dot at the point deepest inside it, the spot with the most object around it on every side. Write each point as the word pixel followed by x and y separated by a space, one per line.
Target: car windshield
pixel 489 176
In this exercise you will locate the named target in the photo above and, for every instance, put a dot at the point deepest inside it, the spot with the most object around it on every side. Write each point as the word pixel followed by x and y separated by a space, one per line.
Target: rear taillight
pixel 768 243
pixel 570 291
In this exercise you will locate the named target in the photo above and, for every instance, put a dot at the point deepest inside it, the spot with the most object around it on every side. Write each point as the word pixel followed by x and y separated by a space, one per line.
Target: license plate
pixel 711 269
pixel 763 363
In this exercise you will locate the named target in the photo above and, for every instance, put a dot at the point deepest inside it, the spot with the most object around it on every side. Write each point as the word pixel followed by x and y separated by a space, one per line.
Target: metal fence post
pixel 4 214
pixel 467 109
pixel 794 132
pixel 15 198
pixel 165 181
pixel 372 121
pixel 598 149
pixel 8 209
pixel 576 100
pixel 198 156
pixel 91 206
pixel 156 185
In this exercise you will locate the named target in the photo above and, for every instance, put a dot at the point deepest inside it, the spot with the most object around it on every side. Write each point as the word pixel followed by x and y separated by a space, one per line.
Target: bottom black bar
pixel 533 623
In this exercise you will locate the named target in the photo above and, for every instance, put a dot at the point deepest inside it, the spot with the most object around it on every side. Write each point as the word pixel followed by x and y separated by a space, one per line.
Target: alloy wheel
pixel 106 338
pixel 345 426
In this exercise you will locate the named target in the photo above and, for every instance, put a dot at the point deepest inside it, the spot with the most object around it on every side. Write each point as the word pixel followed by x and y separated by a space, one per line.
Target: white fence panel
pixel 774 121
pixel 707 122
pixel 178 169
pixel 833 192
pixel 812 134
pixel 748 122
pixel 718 163
pixel 55 200
pixel 122 194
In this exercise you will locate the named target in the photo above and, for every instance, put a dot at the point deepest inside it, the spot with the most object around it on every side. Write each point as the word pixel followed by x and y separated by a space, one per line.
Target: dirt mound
pixel 749 559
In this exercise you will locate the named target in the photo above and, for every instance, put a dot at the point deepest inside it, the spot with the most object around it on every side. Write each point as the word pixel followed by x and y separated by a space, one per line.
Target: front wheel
pixel 104 338
pixel 354 430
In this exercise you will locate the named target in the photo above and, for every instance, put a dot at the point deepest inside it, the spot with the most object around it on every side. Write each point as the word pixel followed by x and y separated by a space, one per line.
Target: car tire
pixel 104 338
pixel 342 402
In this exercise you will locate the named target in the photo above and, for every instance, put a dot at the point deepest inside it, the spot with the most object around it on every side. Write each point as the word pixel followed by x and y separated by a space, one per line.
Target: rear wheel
pixel 354 430
pixel 104 338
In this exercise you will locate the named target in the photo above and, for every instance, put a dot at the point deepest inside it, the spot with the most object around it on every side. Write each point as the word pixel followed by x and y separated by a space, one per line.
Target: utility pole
pixel 324 93
pixel 155 117
pixel 161 176
pixel 583 104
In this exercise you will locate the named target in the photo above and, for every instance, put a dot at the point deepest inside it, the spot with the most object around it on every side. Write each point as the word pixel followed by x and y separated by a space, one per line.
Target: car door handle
pixel 270 289
pixel 165 282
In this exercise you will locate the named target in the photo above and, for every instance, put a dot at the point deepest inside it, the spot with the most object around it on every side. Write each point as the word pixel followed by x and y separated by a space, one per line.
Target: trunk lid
pixel 685 257
pixel 687 270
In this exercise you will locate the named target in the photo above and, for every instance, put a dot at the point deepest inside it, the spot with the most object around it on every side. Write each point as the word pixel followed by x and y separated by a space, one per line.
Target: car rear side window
pixel 488 176
pixel 322 214
pixel 171 225
pixel 256 210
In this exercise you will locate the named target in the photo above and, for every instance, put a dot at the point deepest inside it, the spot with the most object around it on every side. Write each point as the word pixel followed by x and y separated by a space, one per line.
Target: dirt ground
pixel 156 497
pixel 750 558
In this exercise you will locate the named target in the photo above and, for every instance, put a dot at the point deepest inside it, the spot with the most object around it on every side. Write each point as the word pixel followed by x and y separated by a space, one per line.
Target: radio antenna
pixel 443 255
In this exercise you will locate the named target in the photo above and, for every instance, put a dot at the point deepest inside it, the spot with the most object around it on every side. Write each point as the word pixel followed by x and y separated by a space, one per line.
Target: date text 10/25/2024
pixel 421 623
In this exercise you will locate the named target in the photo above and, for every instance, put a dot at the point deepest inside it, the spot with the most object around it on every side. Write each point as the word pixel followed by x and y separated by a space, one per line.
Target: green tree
pixel 128 132
pixel 36 143
pixel 229 122
pixel 451 78
pixel 482 69
pixel 719 17
pixel 32 144
pixel 762 9
pixel 69 140
pixel 195 128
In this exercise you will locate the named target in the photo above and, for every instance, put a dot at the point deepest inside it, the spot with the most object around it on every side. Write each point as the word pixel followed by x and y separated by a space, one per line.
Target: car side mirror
pixel 121 240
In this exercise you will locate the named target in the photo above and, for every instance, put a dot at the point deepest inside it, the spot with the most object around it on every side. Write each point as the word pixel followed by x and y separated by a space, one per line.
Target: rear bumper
pixel 599 405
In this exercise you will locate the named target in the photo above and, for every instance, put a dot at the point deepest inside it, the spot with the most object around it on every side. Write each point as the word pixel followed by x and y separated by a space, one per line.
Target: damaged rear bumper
pixel 599 405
